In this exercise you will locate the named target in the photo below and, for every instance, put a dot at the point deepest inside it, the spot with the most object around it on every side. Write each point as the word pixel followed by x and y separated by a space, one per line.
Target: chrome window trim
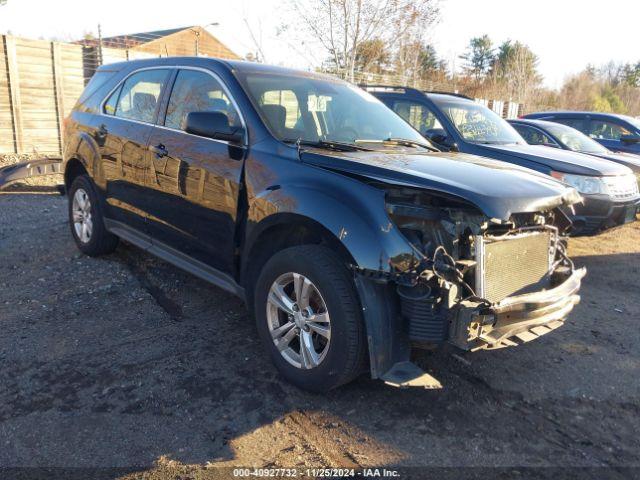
pixel 120 83
pixel 178 67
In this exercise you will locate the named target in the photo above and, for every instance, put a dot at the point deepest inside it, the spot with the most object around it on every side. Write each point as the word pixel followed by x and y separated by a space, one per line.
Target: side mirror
pixel 439 137
pixel 212 125
pixel 633 138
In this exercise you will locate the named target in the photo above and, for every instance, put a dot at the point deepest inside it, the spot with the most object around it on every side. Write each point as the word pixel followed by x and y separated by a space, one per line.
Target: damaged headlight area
pixel 478 282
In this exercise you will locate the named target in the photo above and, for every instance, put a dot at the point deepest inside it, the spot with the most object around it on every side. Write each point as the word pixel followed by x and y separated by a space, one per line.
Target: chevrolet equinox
pixel 349 236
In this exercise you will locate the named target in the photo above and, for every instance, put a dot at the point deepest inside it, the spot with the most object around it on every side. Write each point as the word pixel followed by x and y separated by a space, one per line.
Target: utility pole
pixel 99 44
pixel 197 31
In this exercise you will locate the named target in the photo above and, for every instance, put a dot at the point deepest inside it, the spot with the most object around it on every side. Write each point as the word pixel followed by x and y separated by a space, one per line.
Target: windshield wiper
pixel 404 142
pixel 492 142
pixel 411 143
pixel 330 144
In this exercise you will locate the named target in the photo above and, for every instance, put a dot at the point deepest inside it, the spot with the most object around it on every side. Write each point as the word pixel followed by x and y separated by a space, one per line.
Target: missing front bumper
pixel 514 320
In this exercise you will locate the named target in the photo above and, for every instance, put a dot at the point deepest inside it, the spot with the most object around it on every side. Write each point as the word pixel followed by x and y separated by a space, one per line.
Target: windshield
pixel 573 139
pixel 632 120
pixel 477 124
pixel 315 109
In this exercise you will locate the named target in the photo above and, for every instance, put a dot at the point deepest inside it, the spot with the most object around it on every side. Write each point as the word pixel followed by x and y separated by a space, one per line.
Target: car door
pixel 123 129
pixel 194 182
pixel 608 132
pixel 421 117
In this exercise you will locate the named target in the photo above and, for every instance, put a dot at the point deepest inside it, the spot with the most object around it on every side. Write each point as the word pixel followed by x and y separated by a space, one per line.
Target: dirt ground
pixel 125 361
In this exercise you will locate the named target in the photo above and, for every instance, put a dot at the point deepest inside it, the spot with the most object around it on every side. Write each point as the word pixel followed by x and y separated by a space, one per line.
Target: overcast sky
pixel 566 34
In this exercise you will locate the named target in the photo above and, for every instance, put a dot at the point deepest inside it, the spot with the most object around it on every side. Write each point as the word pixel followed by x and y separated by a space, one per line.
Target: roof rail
pixel 388 88
pixel 453 94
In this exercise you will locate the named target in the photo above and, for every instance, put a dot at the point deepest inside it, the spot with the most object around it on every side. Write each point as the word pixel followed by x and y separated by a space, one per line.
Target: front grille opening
pixel 513 264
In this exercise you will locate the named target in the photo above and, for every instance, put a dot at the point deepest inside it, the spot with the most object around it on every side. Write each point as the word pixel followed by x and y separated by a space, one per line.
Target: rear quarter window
pixel 97 87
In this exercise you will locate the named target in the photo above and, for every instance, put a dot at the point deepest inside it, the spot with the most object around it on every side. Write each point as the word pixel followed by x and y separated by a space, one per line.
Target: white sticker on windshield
pixel 317 103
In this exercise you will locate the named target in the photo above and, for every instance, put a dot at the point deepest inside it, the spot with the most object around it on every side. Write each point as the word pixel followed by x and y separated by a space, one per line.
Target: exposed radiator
pixel 513 265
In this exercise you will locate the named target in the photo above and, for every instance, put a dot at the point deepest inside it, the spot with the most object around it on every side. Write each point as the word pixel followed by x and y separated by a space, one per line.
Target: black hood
pixel 564 161
pixel 626 159
pixel 498 189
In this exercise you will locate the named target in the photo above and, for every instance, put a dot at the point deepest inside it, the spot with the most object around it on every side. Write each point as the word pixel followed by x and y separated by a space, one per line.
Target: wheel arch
pixel 280 231
pixel 81 157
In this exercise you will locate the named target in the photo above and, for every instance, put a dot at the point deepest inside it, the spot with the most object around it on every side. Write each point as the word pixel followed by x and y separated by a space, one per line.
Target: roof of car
pixel 414 91
pixel 575 113
pixel 450 97
pixel 236 65
pixel 535 122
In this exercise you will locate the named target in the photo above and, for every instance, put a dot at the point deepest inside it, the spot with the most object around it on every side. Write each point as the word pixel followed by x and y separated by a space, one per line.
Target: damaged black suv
pixel 350 238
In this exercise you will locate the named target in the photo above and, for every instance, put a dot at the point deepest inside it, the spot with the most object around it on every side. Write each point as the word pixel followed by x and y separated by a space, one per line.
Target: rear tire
pixel 306 301
pixel 86 219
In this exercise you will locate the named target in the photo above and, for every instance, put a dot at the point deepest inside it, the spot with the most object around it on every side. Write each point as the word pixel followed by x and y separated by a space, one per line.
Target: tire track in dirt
pixel 309 427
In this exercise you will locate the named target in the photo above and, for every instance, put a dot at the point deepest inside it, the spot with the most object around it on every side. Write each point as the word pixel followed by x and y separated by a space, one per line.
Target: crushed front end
pixel 476 282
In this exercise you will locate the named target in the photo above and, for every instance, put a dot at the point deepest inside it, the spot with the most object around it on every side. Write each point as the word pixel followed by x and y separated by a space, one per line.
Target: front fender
pixel 351 210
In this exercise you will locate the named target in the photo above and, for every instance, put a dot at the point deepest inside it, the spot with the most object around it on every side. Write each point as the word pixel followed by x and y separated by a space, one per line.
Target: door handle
pixel 160 150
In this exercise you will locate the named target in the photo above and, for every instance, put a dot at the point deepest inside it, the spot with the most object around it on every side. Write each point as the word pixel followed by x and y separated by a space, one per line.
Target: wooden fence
pixel 40 82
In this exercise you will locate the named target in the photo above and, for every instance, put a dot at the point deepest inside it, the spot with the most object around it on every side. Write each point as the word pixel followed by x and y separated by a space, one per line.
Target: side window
pixel 604 130
pixel 138 96
pixel 417 115
pixel 533 136
pixel 110 104
pixel 195 91
pixel 577 123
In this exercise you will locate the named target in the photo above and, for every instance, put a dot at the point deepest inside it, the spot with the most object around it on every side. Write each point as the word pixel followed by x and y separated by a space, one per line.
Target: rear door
pixel 193 183
pixel 127 117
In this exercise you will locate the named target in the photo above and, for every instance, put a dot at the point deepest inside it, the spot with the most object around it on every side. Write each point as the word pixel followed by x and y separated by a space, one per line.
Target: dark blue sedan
pixel 550 134
pixel 619 133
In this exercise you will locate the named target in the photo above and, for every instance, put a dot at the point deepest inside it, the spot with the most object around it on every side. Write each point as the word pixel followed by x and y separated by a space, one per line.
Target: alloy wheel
pixel 298 320
pixel 81 213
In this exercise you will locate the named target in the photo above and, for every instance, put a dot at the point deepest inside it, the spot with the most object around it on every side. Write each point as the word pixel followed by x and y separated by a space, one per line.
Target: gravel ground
pixel 125 361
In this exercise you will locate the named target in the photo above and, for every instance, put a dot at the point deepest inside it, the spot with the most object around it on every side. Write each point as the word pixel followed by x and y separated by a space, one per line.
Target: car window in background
pixel 139 95
pixel 195 91
pixel 604 130
pixel 477 124
pixel 533 136
pixel 417 115
pixel 577 123
pixel 633 121
pixel 575 140
pixel 323 109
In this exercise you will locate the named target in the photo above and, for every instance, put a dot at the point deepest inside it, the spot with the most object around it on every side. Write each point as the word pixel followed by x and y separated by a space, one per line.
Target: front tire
pixel 309 318
pixel 86 219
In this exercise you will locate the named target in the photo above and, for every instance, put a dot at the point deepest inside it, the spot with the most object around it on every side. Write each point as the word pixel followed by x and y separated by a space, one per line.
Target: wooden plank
pixel 59 89
pixel 14 82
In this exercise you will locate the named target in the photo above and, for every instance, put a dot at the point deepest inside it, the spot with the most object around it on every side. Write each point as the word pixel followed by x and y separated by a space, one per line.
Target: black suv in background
pixel 457 123
pixel 619 133
pixel 348 236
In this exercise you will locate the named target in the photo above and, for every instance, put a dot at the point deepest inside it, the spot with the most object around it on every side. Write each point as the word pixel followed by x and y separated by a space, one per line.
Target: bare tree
pixel 342 26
